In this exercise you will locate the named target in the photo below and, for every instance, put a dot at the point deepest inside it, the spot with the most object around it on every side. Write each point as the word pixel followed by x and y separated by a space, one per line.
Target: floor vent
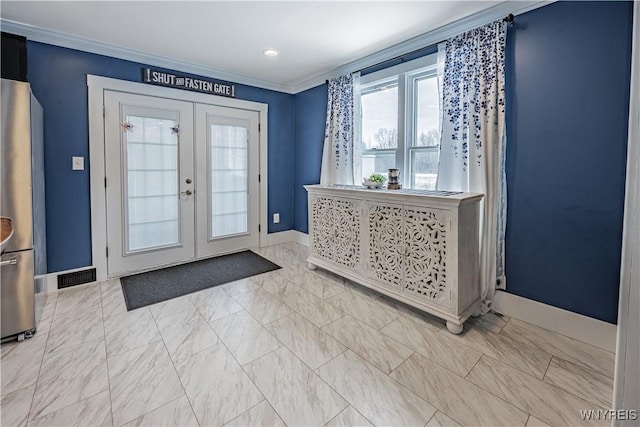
pixel 76 278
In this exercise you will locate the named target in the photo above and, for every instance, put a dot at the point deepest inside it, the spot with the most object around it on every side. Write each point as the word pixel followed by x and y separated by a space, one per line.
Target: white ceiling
pixel 313 37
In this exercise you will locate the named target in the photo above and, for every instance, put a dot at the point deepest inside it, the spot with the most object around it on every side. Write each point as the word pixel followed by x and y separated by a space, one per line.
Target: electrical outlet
pixel 77 163
pixel 276 218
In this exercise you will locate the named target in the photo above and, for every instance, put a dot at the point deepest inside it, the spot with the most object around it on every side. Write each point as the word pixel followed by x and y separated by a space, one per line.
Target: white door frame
pixel 96 87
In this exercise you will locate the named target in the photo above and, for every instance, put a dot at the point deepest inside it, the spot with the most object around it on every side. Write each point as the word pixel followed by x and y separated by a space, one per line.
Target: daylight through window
pixel 400 122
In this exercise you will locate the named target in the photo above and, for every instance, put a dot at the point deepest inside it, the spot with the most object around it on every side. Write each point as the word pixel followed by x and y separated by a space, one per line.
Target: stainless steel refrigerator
pixel 23 261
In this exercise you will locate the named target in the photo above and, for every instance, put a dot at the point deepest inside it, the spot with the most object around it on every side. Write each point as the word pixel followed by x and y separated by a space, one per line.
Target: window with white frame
pixel 400 123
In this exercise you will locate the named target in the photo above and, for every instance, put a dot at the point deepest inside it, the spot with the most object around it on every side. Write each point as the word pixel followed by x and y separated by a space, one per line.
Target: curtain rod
pixel 509 19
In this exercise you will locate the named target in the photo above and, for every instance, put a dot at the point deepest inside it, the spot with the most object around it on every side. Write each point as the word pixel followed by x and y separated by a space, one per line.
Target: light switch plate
pixel 276 218
pixel 77 163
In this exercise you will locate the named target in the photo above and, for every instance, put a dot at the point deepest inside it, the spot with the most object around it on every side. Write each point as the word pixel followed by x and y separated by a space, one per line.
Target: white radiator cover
pixel 421 249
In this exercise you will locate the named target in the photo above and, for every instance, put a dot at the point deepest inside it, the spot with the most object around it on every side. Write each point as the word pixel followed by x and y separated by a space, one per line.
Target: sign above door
pixel 162 78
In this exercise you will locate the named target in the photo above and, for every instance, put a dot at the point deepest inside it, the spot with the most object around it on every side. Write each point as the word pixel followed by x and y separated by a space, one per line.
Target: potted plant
pixel 375 180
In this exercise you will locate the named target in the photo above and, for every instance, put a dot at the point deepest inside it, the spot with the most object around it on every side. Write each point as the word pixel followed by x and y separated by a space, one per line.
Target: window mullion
pixel 411 128
pixel 402 137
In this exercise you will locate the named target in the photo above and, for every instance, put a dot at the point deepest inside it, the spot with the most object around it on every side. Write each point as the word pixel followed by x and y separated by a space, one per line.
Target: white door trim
pixel 96 87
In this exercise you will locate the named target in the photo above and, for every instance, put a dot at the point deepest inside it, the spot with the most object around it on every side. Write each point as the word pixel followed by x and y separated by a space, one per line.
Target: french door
pixel 227 164
pixel 182 181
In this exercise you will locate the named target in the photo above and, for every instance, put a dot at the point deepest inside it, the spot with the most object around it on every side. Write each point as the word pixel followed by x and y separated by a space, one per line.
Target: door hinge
pixel 105 182
pixel 259 178
pixel 258 127
pixel 104 111
pixel 258 228
pixel 107 251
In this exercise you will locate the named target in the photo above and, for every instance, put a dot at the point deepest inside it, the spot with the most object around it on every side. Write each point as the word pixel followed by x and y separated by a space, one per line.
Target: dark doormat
pixel 156 286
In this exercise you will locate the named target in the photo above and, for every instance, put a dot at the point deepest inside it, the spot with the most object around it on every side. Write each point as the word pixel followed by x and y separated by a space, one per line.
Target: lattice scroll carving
pixel 385 244
pixel 347 240
pixel 322 214
pixel 336 234
pixel 425 235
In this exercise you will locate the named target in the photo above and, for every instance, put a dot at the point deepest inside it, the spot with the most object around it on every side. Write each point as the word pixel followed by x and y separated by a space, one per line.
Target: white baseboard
pixel 300 237
pixel 287 236
pixel 573 325
pixel 280 237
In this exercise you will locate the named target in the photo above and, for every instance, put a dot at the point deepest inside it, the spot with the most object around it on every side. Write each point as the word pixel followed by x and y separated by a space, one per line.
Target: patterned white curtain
pixel 338 155
pixel 472 149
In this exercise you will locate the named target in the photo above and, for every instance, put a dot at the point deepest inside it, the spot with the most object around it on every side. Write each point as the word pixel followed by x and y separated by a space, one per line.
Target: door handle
pixel 12 261
pixel 188 192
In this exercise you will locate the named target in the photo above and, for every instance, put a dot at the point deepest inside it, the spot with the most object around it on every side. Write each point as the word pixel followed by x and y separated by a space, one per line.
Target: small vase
pixel 394 179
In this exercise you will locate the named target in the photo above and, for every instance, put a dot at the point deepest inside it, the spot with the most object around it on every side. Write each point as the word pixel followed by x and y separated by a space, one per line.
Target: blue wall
pixel 568 74
pixel 568 87
pixel 58 78
pixel 310 117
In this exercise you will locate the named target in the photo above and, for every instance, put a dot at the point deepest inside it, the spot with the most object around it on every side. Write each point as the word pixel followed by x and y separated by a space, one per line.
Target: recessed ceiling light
pixel 271 52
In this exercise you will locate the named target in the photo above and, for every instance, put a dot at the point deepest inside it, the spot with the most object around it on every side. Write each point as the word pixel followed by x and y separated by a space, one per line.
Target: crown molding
pixel 427 39
pixel 57 38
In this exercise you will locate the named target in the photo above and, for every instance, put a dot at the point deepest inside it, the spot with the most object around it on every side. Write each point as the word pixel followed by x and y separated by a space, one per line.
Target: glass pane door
pixel 228 147
pixel 182 181
pixel 149 176
pixel 153 213
pixel 227 168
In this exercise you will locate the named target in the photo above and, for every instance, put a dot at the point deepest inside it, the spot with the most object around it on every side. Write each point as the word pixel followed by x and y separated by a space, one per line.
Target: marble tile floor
pixel 290 347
